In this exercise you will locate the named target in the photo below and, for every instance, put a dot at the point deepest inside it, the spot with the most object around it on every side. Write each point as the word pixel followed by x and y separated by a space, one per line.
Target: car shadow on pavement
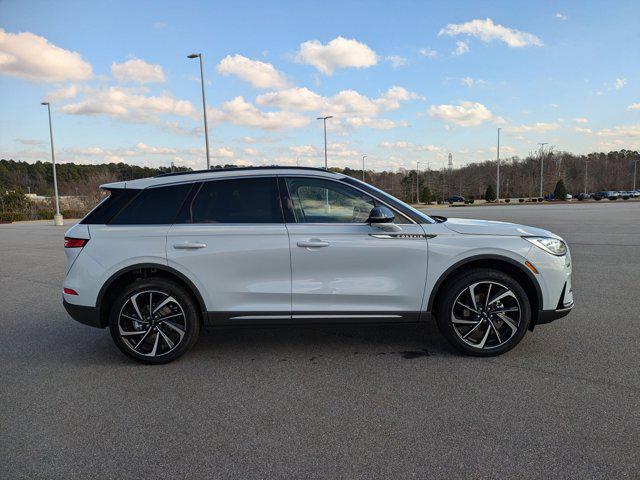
pixel 406 341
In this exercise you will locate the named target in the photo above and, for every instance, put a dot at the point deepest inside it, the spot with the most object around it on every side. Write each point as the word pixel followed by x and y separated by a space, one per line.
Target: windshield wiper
pixel 439 218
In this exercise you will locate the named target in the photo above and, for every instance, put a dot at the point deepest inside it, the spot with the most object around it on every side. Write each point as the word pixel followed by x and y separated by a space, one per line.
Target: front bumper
pixel 83 314
pixel 548 316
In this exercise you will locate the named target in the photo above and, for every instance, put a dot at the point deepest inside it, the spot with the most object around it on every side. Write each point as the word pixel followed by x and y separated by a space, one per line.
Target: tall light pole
pixel 498 172
pixel 418 182
pixel 541 164
pixel 635 167
pixel 57 218
pixel 204 107
pixel 324 121
pixel 363 157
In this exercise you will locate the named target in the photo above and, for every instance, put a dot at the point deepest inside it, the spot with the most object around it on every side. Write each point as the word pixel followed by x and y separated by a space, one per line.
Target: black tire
pixel 502 335
pixel 180 308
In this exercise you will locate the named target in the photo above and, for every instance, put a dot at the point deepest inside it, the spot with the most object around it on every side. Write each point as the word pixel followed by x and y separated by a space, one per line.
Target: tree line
pixel 519 177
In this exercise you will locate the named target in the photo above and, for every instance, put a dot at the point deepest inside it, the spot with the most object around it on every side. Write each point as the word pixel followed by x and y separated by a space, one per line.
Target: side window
pixel 324 201
pixel 153 206
pixel 244 200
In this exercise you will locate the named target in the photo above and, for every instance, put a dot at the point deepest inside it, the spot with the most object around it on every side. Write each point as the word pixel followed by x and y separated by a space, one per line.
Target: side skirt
pixel 313 318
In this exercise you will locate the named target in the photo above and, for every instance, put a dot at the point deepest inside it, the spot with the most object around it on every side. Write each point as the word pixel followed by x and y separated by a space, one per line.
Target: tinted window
pixel 323 201
pixel 245 200
pixel 109 206
pixel 153 206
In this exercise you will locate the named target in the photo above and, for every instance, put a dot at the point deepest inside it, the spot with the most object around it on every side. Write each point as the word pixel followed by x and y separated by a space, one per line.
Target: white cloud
pixel 139 71
pixel 560 16
pixel 461 48
pixel 621 131
pixel 377 123
pixel 334 150
pixel 64 93
pixel 344 102
pixel 257 73
pixel 397 61
pixel 473 82
pixel 338 53
pixel 534 127
pixel 222 152
pixel 251 151
pixel 581 120
pixel 465 114
pixel 428 52
pixel 634 106
pixel 620 83
pixel 129 104
pixel 240 112
pixel 487 31
pixel 404 145
pixel 583 130
pixel 32 57
pixel 29 141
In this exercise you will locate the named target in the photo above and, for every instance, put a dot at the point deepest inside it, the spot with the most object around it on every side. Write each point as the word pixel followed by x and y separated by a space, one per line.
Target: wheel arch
pixel 495 262
pixel 132 273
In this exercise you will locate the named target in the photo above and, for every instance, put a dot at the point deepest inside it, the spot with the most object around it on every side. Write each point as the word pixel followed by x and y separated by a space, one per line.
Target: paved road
pixel 327 402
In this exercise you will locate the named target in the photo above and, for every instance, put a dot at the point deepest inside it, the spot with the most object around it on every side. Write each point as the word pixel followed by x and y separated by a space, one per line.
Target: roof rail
pixel 235 169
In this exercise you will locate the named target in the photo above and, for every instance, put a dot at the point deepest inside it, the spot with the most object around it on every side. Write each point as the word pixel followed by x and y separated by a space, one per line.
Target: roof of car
pixel 200 175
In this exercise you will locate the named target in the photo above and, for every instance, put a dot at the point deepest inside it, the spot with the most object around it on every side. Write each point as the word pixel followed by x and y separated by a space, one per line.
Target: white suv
pixel 163 256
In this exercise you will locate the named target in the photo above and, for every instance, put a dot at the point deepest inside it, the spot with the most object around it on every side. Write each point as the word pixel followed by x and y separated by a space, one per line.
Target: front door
pixel 342 267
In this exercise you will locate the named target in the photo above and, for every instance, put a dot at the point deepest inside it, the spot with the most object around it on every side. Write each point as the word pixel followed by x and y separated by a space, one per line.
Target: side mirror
pixel 380 215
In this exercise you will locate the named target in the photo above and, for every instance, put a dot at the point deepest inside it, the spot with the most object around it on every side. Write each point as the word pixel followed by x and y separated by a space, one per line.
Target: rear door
pixel 344 268
pixel 230 239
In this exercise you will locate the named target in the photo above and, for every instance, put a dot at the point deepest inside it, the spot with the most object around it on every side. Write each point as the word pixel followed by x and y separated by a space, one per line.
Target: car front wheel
pixel 154 321
pixel 484 312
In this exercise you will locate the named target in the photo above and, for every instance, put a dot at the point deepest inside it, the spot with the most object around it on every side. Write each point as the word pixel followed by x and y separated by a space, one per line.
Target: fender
pixel 474 258
pixel 156 266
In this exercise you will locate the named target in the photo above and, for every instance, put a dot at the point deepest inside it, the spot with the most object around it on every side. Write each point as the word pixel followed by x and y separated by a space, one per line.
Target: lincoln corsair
pixel 162 257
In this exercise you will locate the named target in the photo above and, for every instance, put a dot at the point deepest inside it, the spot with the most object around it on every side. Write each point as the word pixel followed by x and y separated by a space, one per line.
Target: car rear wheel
pixel 154 321
pixel 483 312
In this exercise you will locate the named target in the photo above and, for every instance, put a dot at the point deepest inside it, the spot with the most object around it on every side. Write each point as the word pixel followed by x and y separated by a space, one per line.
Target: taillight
pixel 70 242
pixel 69 291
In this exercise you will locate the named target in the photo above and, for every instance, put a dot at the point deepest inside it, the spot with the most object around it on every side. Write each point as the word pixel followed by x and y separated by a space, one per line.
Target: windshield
pixel 421 216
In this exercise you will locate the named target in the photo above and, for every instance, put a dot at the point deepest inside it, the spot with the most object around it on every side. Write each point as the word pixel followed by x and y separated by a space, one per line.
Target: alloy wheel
pixel 152 323
pixel 485 315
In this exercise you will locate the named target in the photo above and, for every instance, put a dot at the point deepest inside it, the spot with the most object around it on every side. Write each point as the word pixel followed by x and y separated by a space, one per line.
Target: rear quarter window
pixel 153 206
pixel 109 206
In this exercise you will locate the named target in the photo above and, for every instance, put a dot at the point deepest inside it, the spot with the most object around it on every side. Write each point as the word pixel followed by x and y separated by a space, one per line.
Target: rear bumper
pixel 83 314
pixel 548 316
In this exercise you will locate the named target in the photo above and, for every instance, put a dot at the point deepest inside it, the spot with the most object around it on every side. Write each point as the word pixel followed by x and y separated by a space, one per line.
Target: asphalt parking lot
pixel 330 402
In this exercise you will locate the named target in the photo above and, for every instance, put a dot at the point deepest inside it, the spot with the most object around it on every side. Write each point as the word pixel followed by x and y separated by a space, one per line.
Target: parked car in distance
pixel 163 257
pixel 583 196
pixel 455 199
pixel 606 194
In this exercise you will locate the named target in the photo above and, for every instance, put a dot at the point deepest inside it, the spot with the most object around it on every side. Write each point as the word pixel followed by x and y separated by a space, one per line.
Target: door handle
pixel 313 243
pixel 188 245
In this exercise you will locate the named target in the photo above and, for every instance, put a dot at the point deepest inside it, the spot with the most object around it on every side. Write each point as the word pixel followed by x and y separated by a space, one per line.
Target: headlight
pixel 548 244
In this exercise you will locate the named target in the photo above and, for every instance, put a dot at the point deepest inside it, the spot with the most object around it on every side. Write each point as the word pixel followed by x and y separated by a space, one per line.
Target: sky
pixel 406 81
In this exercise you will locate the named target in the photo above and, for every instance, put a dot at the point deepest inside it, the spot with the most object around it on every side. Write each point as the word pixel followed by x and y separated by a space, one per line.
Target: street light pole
pixel 635 167
pixel 418 182
pixel 541 164
pixel 363 157
pixel 498 173
pixel 324 121
pixel 57 218
pixel 204 107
